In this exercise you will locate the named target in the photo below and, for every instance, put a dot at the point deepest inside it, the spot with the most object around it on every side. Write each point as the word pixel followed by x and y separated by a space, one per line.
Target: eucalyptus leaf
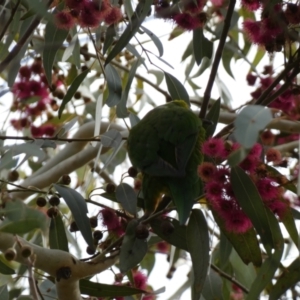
pixel 57 234
pixel 72 90
pixel 142 10
pixel 21 219
pixel 79 210
pixel 126 195
pixel 249 122
pixel 121 106
pixel 198 241
pixel 96 289
pixel 202 47
pixel 133 249
pixel 4 295
pixel 155 40
pixel 176 238
pixel 5 269
pixel 111 138
pixel 54 38
pixel 114 86
pixel 176 89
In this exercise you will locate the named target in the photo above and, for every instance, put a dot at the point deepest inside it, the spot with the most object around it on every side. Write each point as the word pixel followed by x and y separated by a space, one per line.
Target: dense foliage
pixel 76 76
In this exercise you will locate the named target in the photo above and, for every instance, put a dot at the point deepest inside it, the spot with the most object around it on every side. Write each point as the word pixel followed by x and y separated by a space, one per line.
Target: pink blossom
pixel 251 5
pixel 249 164
pixel 193 6
pixel 267 188
pixel 273 155
pixel 140 280
pixel 214 191
pixel 213 147
pixel 278 207
pixel 251 79
pixel 187 21
pixel 25 72
pixel 206 171
pixel 109 218
pixel 256 150
pixel 114 16
pixel 64 20
pixel 237 221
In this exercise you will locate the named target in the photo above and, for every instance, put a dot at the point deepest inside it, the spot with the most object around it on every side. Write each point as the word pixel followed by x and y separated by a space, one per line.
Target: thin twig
pixel 230 278
pixel 13 12
pixel 55 138
pixel 217 59
pixel 17 48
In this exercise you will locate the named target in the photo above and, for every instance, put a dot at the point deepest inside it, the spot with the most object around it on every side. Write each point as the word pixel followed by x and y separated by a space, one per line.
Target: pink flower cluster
pixel 111 221
pixel 140 282
pixel 190 15
pixel 218 188
pixel 87 13
pixel 31 97
pixel 287 102
pixel 272 30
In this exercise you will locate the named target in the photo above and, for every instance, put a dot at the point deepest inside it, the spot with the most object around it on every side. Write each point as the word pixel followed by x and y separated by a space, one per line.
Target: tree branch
pixel 217 59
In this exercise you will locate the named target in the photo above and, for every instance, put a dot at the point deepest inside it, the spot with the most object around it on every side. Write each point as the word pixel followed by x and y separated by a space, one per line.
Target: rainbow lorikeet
pixel 166 147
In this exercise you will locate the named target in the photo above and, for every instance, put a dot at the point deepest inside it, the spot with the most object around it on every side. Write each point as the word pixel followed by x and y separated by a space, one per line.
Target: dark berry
pixel 26 251
pixel 132 172
pixel 167 227
pixel 94 222
pixel 65 179
pixel 10 254
pixel 97 235
pixel 73 227
pixel 110 188
pixel 90 250
pixel 13 176
pixel 41 201
pixel 52 212
pixel 54 201
pixel 77 95
pixel 141 231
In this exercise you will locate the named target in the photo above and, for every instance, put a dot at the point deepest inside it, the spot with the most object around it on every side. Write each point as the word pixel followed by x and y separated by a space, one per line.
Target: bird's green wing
pixel 162 142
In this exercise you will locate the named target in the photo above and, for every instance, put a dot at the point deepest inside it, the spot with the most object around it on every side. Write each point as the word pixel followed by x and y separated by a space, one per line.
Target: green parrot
pixel 166 147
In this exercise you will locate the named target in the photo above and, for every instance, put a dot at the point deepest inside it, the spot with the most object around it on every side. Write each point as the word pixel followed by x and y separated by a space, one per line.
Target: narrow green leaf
pixel 260 53
pixel 57 234
pixel 114 86
pixel 4 268
pixel 249 122
pixel 121 106
pixel 72 90
pixel 148 262
pixel 79 210
pixel 111 138
pixel 213 286
pixel 262 218
pixel 290 225
pixel 227 56
pixel 137 19
pixel 176 89
pixel 21 219
pixel 201 45
pixel 4 295
pixel 109 38
pixel 106 290
pixel 133 249
pixel 287 279
pixel 213 116
pixel 245 244
pixel 265 274
pixel 126 195
pixel 188 51
pixel 225 250
pixel 54 38
pixel 177 238
pixel 155 40
pixel 198 241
